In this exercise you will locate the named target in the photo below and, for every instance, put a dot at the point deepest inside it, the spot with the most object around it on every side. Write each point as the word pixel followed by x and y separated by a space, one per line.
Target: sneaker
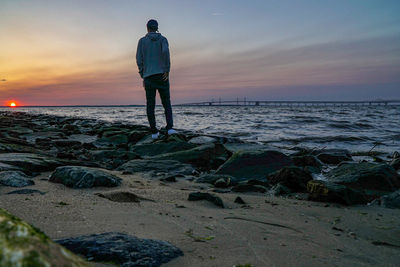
pixel 155 136
pixel 172 131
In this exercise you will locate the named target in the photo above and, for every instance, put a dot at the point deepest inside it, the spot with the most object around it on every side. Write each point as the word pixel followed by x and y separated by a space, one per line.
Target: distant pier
pixel 245 102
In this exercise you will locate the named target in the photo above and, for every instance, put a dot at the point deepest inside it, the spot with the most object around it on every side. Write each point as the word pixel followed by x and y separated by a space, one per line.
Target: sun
pixel 13 105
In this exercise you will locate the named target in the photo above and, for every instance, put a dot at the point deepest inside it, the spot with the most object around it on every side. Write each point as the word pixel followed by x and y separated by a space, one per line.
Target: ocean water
pixel 357 128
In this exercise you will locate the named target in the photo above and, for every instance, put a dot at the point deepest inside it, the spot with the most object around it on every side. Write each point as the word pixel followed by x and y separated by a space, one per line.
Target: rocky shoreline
pixel 121 162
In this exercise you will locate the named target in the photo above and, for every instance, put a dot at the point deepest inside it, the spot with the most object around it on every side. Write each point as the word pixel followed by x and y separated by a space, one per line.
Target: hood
pixel 154 36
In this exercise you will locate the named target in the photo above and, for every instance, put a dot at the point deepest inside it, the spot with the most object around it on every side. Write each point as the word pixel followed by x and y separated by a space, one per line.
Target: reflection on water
pixel 354 128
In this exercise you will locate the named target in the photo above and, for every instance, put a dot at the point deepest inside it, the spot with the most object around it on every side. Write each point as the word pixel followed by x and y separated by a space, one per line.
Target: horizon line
pixel 214 101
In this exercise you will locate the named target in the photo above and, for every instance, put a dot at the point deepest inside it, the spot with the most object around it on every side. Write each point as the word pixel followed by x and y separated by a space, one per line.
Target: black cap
pixel 152 24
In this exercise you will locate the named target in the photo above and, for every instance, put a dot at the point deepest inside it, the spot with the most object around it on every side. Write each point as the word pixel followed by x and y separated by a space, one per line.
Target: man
pixel 152 58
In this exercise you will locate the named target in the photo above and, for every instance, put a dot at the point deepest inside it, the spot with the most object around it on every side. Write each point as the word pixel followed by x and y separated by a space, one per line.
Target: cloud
pixel 352 69
pixel 374 60
pixel 3 80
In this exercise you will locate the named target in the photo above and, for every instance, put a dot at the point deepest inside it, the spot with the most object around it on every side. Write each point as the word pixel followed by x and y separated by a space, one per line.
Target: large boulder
pixel 113 137
pixel 333 156
pixel 112 158
pixel 136 135
pixel 246 165
pixel 122 249
pixel 83 177
pixel 366 175
pixel 24 245
pixel 330 192
pixel 155 149
pixel 206 157
pixel 15 179
pixel 29 163
pixel 292 177
pixel 307 160
pixel 172 167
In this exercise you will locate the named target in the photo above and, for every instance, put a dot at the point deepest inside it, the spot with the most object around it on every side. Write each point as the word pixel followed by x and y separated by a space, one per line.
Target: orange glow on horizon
pixel 12 104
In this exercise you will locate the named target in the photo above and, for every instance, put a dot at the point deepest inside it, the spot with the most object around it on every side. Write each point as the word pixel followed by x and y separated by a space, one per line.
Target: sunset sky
pixel 83 52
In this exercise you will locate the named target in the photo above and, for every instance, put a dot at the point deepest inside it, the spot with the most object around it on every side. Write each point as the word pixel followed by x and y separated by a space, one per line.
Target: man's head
pixel 152 25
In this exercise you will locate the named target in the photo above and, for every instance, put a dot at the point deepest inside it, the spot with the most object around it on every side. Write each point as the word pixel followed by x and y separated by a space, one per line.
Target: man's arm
pixel 139 58
pixel 166 56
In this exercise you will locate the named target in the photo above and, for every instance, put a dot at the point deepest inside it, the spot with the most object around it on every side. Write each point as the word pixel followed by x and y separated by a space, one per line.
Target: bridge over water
pixel 245 102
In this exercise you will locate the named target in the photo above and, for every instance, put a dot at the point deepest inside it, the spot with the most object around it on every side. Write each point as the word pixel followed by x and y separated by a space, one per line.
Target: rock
pixel 213 178
pixel 136 135
pixel 206 157
pixel 71 128
pixel 307 160
pixel 171 179
pixel 254 165
pixel 24 245
pixel 194 196
pixel 259 182
pixel 15 179
pixel 239 200
pixel 248 147
pixel 113 138
pixel 222 182
pixel 249 188
pixel 172 138
pixel 312 169
pixel 16 148
pixel 83 177
pixel 221 190
pixel 395 163
pixel 155 149
pixel 26 192
pixel 112 158
pixel 366 175
pixel 7 167
pixel 67 143
pixel 330 192
pixel 201 140
pixel 122 249
pixel 334 156
pixel 279 189
pixel 391 201
pixel 29 163
pixel 171 167
pixel 294 178
pixel 146 140
pixel 65 155
pixel 121 196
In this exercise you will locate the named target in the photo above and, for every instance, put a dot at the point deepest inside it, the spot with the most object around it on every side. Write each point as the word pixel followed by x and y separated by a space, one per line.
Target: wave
pixel 326 139
pixel 350 126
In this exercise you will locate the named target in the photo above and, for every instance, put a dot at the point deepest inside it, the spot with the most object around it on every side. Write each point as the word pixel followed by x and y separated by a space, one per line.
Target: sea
pixel 356 128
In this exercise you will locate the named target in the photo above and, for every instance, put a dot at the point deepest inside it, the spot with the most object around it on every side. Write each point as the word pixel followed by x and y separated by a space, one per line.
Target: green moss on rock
pixel 24 245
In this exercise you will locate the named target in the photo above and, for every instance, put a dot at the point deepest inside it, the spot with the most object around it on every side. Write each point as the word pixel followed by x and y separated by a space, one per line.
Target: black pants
pixel 151 85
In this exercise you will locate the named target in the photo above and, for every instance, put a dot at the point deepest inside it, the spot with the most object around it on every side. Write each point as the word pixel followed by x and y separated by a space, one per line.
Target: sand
pixel 267 231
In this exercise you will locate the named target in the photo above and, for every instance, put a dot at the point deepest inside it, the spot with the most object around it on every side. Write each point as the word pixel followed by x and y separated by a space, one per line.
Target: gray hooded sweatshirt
pixel 152 55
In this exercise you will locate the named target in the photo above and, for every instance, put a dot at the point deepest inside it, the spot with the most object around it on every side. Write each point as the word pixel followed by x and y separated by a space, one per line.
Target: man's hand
pixel 165 76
